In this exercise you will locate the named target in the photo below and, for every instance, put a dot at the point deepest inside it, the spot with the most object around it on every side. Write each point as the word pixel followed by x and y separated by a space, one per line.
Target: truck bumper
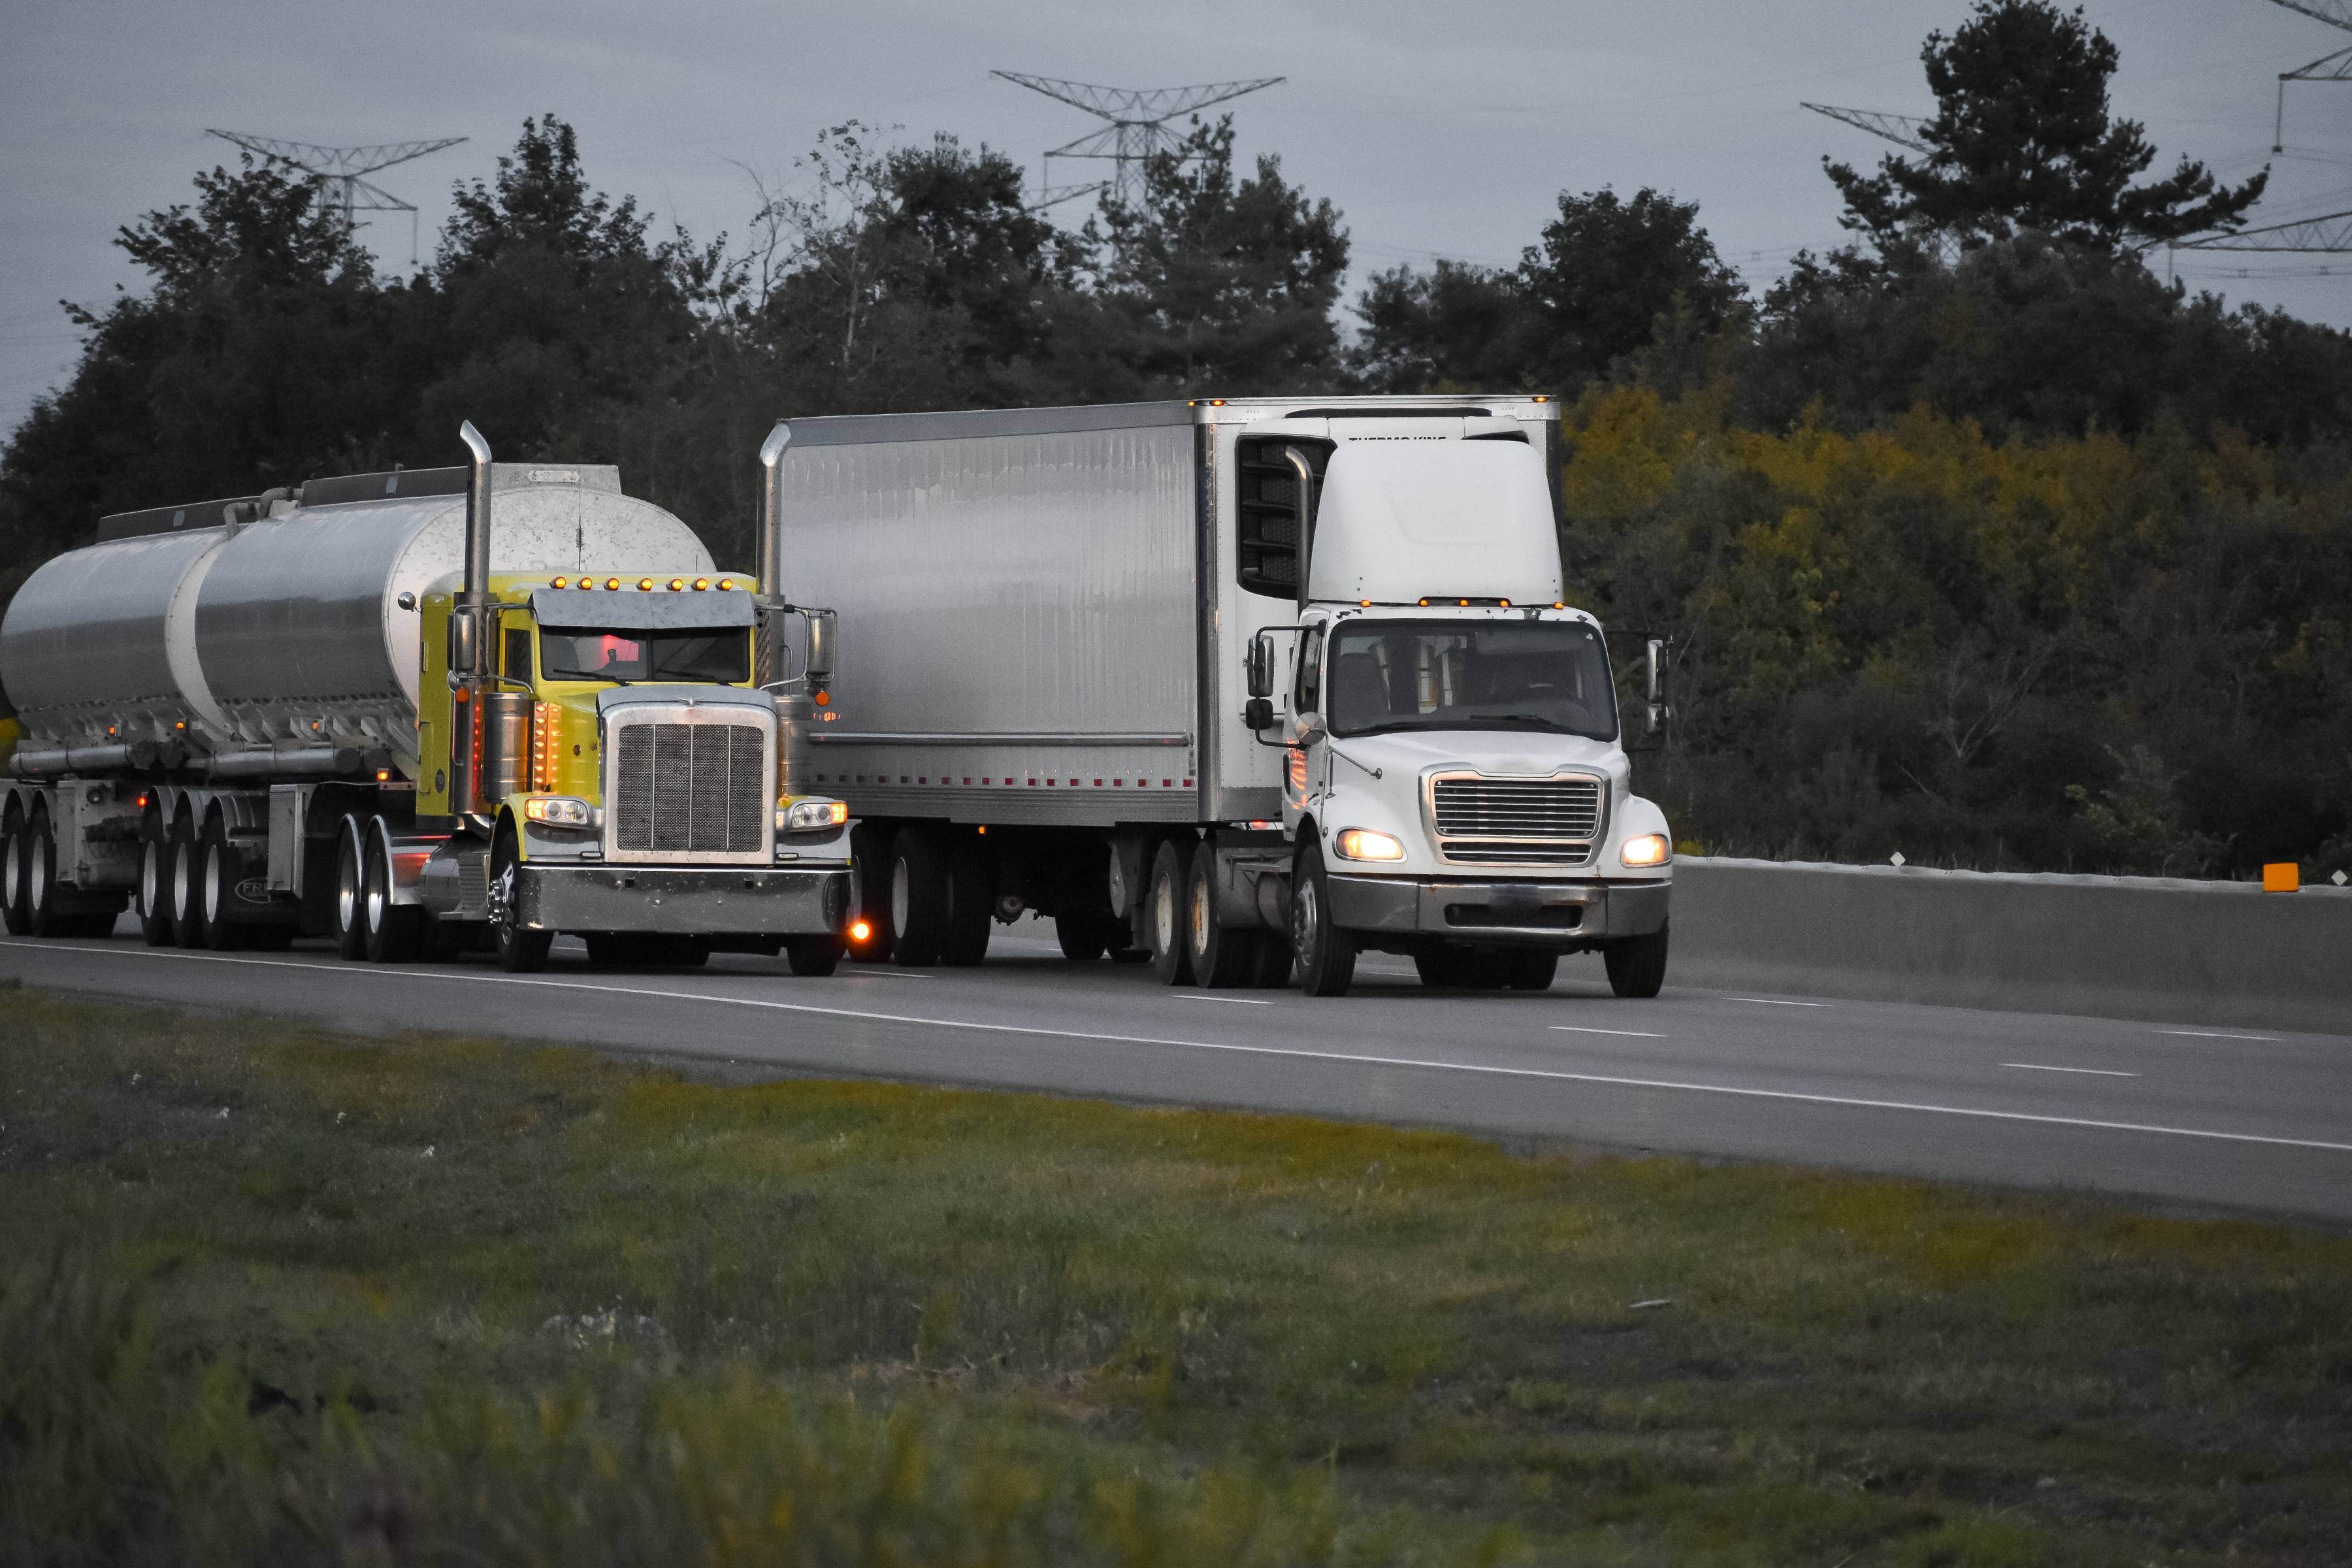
pixel 698 901
pixel 1564 915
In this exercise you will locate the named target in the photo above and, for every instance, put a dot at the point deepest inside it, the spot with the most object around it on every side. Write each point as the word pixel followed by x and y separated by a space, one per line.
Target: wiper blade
pixel 1518 719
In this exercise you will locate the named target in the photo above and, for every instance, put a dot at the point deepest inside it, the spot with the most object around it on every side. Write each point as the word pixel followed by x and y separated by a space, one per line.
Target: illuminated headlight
pixel 559 811
pixel 811 816
pixel 1648 849
pixel 1363 844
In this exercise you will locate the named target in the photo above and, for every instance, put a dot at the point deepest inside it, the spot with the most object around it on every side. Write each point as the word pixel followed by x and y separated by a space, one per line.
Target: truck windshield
pixel 1470 675
pixel 569 654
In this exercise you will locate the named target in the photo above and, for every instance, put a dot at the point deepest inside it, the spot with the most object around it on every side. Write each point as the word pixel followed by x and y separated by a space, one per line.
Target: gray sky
pixel 1437 129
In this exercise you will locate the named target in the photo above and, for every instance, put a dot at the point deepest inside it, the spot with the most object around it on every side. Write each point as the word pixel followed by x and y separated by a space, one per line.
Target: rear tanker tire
pixel 814 956
pixel 918 897
pixel 216 890
pixel 154 902
pixel 40 873
pixel 349 909
pixel 182 886
pixel 1222 956
pixel 1164 898
pixel 1326 952
pixel 971 900
pixel 1637 964
pixel 869 853
pixel 16 852
pixel 521 950
pixel 1083 935
pixel 394 933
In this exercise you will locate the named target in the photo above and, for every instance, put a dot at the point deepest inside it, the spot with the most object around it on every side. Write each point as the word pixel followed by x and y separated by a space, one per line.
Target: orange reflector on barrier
pixel 2282 877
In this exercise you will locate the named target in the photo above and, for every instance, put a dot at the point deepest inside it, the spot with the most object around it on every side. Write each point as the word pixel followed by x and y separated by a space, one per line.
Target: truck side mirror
pixel 1259 714
pixel 1259 667
pixel 824 628
pixel 1654 669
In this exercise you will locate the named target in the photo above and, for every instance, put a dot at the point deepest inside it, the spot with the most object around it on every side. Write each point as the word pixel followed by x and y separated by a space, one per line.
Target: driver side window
pixel 1309 696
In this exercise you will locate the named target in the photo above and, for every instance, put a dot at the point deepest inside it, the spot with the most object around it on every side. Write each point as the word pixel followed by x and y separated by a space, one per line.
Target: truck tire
pixel 521 950
pixel 394 933
pixel 349 909
pixel 972 899
pixel 1221 956
pixel 1084 937
pixel 182 885
pixel 1637 964
pixel 814 956
pixel 1274 960
pixel 918 892
pixel 216 878
pixel 154 899
pixel 1533 970
pixel 1165 897
pixel 40 875
pixel 869 853
pixel 16 852
pixel 1327 954
pixel 1463 969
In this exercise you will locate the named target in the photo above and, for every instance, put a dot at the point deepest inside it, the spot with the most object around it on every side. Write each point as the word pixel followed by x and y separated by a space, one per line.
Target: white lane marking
pixel 1776 1002
pixel 1581 1029
pixel 2215 1035
pixel 2044 1067
pixel 1204 996
pixel 889 974
pixel 1352 1058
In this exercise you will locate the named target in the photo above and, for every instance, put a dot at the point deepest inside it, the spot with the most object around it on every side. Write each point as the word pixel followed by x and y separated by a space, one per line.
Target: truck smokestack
pixel 1305 471
pixel 771 563
pixel 476 591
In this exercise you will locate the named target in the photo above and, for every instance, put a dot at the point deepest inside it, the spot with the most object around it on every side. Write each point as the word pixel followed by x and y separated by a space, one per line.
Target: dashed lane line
pixel 1588 1029
pixel 1780 1001
pixel 2095 1072
pixel 2218 1035
pixel 1352 1058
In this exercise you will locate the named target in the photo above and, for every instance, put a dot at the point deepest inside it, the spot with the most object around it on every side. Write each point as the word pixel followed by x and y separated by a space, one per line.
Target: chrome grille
pixel 690 789
pixel 1489 821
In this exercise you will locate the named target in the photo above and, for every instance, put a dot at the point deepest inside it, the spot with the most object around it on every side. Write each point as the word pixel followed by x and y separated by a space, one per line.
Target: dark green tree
pixel 2023 141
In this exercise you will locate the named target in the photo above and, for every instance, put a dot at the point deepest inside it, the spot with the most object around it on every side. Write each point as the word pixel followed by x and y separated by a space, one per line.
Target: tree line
pixel 1981 540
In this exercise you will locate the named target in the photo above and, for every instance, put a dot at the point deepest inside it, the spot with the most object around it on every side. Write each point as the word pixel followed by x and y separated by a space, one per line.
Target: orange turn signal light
pixel 859 930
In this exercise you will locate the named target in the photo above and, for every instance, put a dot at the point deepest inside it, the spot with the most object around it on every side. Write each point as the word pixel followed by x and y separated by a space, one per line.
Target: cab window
pixel 1309 694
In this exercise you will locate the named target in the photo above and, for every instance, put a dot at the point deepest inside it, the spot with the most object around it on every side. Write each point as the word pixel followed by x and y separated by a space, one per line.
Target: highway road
pixel 2182 1113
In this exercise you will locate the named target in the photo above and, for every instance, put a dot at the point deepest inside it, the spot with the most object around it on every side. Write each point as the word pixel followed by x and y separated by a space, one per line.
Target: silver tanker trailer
pixel 356 709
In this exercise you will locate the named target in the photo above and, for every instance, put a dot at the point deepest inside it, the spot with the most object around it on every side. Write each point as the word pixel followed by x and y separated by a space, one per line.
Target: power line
pixel 1138 120
pixel 336 173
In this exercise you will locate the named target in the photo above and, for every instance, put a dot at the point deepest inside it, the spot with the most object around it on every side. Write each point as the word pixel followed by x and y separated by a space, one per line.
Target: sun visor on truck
pixel 634 610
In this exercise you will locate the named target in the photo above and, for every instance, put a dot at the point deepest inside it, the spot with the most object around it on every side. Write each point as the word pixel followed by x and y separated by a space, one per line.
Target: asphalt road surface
pixel 2205 1117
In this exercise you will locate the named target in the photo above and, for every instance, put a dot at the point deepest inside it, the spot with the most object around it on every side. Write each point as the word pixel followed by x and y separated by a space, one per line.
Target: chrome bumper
pixel 714 900
pixel 1521 914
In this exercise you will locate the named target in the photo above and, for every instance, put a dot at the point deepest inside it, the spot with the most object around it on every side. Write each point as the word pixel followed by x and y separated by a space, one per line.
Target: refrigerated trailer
pixel 1239 686
pixel 364 709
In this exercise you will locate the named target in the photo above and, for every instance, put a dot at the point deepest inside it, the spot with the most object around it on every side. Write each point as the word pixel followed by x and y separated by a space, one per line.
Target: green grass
pixel 445 1300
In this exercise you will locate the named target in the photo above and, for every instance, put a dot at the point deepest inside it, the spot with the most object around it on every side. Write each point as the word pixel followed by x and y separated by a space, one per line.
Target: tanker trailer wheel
pixel 40 877
pixel 1637 964
pixel 520 950
pixel 870 854
pixel 154 899
pixel 1327 954
pixel 1220 955
pixel 182 852
pixel 16 851
pixel 812 955
pixel 216 890
pixel 392 933
pixel 918 906
pixel 1163 911
pixel 972 899
pixel 350 893
pixel 1084 936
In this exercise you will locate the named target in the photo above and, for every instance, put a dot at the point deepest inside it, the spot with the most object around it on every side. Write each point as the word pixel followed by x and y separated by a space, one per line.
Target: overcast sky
pixel 1444 129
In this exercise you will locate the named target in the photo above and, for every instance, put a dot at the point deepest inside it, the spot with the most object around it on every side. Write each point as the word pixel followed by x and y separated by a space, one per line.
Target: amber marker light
pixel 383 775
pixel 859 930
pixel 561 583
pixel 824 698
pixel 644 584
pixel 1507 604
pixel 678 584
pixel 726 585
pixel 700 584
pixel 612 584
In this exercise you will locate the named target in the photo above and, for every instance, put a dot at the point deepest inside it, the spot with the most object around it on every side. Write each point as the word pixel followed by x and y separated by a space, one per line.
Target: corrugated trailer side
pixel 1019 608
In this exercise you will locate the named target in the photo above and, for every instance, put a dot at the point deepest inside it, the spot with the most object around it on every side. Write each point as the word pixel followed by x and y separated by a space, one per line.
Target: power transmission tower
pixel 1903 130
pixel 2329 232
pixel 336 171
pixel 1138 125
pixel 2337 66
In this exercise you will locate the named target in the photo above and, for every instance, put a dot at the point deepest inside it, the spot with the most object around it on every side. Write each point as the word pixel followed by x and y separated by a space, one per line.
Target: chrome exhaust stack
pixel 467 633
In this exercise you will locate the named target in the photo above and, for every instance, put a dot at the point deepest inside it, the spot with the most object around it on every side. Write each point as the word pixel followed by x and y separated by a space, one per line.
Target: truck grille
pixel 1485 821
pixel 690 789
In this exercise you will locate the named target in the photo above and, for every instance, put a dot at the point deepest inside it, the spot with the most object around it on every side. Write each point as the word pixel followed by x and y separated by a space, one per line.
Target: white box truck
pixel 1242 685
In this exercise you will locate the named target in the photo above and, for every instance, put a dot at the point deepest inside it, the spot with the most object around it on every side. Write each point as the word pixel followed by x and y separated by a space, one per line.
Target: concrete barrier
pixel 2131 947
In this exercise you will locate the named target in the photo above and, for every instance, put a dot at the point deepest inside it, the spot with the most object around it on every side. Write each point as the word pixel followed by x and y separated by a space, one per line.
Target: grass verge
pixel 273 1294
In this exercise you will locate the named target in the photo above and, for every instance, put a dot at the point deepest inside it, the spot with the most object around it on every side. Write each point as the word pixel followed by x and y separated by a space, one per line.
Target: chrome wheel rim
pixel 151 878
pixel 36 880
pixel 1164 916
pixel 184 878
pixel 347 890
pixel 1201 918
pixel 12 867
pixel 212 886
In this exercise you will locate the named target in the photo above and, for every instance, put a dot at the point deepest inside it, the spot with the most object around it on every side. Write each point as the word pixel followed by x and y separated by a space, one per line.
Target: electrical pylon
pixel 336 171
pixel 1138 123
pixel 2330 233
pixel 2337 66
pixel 1903 130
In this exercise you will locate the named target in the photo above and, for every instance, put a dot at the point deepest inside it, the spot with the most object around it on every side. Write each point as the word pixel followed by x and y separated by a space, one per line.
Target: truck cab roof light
pixel 700 584
pixel 612 584
pixel 726 585
pixel 561 583
pixel 644 584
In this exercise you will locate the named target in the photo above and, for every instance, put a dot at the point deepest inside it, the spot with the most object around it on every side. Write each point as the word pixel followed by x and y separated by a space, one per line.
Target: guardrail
pixel 2225 953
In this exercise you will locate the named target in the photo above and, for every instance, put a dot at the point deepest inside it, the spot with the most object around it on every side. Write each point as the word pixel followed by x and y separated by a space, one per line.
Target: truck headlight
pixel 559 811
pixel 1646 850
pixel 811 816
pixel 1363 844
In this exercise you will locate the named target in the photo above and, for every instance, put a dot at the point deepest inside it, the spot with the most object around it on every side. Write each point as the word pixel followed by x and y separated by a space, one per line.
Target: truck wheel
pixel 1164 902
pixel 1083 936
pixel 1533 970
pixel 186 868
pixel 1274 960
pixel 972 899
pixel 520 950
pixel 812 955
pixel 917 910
pixel 350 893
pixel 40 876
pixel 869 852
pixel 1327 954
pixel 216 890
pixel 15 850
pixel 1219 956
pixel 1637 964
pixel 395 932
pixel 155 885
